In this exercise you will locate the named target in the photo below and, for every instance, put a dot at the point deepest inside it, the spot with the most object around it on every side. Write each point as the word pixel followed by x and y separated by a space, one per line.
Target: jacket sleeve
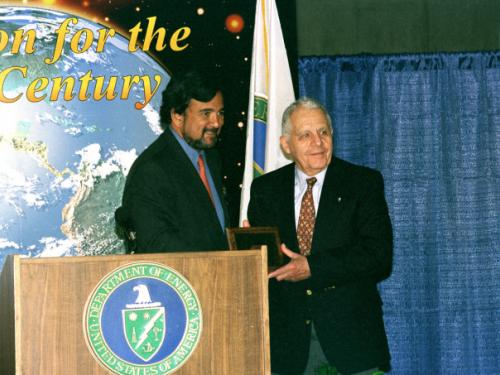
pixel 151 207
pixel 256 213
pixel 253 206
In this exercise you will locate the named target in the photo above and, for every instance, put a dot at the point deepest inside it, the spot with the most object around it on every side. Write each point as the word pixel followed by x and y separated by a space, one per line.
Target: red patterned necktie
pixel 307 218
pixel 203 176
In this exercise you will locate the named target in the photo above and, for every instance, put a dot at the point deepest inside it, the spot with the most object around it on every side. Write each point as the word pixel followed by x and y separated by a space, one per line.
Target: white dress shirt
pixel 301 187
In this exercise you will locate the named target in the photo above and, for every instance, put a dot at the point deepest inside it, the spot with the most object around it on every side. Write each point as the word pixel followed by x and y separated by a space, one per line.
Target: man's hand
pixel 295 270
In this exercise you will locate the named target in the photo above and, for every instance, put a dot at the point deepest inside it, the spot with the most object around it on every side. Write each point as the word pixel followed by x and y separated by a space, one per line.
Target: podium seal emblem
pixel 142 318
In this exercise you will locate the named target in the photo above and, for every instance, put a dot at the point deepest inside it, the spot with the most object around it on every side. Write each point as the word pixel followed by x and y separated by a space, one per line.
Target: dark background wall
pixel 346 27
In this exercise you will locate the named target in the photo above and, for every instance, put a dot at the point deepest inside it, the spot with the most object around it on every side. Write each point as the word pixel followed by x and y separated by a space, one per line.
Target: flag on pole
pixel 271 91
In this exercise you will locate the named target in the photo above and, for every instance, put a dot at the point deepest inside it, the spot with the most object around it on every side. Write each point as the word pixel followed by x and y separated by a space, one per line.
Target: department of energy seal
pixel 142 318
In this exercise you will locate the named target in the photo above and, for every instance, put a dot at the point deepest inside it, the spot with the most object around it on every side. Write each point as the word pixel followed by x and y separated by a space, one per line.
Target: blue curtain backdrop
pixel 431 124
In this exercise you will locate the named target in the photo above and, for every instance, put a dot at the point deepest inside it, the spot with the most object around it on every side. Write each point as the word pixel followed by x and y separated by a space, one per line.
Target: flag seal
pixel 142 318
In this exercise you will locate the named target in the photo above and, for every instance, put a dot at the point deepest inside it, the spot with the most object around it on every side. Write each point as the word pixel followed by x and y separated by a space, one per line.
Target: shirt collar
pixel 301 177
pixel 191 152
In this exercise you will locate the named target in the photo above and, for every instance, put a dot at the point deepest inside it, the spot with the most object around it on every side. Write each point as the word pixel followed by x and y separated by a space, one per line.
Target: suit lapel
pixel 189 181
pixel 285 207
pixel 180 161
pixel 213 162
pixel 330 201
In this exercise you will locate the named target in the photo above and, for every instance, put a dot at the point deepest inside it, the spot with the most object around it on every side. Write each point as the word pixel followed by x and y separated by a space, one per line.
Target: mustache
pixel 213 131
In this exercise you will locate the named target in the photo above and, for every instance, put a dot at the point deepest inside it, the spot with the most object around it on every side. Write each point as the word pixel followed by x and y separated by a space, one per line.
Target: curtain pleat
pixel 431 124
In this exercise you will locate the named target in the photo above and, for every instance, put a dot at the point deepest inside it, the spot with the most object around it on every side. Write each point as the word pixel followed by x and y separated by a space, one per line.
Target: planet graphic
pixel 63 162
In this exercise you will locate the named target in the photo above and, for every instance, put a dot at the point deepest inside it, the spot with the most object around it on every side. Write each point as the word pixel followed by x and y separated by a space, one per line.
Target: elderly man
pixel 333 220
pixel 173 194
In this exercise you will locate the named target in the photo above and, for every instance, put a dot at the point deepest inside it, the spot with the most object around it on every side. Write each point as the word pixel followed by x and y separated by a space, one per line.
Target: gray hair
pixel 304 102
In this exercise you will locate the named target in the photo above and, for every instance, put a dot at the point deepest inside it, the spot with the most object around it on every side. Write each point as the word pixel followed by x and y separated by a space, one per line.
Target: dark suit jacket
pixel 166 204
pixel 351 253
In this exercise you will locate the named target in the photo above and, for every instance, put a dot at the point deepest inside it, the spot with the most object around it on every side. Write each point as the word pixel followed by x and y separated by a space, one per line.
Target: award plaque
pixel 255 237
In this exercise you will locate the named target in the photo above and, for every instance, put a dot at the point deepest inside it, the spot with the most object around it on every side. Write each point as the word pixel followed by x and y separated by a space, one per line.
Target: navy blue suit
pixel 351 253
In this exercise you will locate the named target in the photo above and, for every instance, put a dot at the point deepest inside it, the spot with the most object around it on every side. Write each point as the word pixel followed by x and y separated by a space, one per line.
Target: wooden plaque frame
pixel 254 238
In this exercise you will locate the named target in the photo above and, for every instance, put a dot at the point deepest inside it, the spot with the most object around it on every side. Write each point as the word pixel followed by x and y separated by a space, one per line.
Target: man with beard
pixel 173 197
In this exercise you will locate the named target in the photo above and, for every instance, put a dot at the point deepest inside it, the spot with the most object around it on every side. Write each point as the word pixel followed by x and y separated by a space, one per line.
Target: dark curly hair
pixel 183 87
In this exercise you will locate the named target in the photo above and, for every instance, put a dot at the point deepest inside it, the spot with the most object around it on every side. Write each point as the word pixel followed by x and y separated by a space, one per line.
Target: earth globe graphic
pixel 63 163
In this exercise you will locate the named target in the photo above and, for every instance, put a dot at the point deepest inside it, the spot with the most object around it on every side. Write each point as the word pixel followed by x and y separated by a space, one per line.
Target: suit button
pixel 309 292
pixel 308 321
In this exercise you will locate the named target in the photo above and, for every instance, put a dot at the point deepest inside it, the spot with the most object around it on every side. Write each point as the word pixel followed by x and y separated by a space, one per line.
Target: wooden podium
pixel 42 304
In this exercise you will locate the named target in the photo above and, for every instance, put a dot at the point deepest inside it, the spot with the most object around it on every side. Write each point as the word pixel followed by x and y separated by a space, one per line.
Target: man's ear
pixel 284 144
pixel 177 119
